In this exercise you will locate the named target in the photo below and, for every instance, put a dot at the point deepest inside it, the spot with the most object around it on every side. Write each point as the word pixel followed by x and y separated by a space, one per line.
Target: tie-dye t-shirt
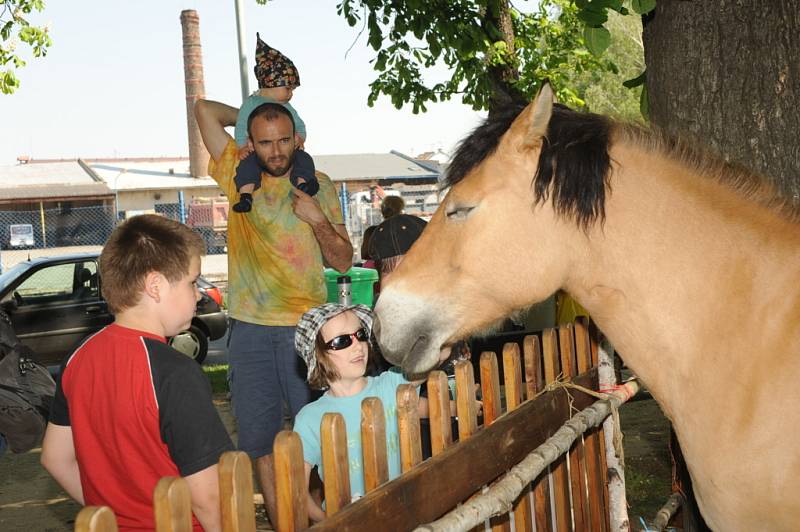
pixel 275 270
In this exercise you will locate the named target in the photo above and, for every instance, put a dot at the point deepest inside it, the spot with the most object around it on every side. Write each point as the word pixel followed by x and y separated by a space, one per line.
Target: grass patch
pixel 218 377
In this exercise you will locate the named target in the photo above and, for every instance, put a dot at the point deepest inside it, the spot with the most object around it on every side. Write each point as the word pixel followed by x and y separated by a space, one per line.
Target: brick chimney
pixel 195 90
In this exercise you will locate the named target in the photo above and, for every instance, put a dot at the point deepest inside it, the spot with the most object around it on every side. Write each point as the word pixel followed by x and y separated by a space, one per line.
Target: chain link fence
pixel 26 234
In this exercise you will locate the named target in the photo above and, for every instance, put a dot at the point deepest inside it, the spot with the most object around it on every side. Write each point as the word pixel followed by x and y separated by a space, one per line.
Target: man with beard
pixel 275 274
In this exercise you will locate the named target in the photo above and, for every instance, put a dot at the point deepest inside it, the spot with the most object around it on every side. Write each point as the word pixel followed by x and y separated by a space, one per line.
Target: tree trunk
pixel 728 71
pixel 502 77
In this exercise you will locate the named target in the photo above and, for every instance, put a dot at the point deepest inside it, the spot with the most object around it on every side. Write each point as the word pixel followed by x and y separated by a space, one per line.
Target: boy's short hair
pixel 143 244
pixel 270 111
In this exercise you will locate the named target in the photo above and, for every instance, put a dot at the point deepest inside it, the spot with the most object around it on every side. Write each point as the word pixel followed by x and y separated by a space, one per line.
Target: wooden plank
pixel 595 476
pixel 492 409
pixel 594 348
pixel 439 484
pixel 439 412
pixel 534 384
pixel 532 353
pixel 558 470
pixel 290 484
pixel 466 409
pixel 512 379
pixel 172 504
pixel 490 387
pixel 96 519
pixel 373 443
pixel 408 426
pixel 236 492
pixel 335 463
pixel 576 455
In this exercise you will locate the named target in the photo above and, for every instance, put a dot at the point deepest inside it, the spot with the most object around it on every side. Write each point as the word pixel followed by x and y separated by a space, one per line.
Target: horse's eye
pixel 458 213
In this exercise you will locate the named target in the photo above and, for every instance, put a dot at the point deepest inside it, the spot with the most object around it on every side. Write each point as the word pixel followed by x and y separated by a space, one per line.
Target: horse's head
pixel 493 247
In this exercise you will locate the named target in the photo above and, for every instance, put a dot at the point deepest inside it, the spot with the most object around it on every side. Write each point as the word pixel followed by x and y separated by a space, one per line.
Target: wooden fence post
pixel 466 409
pixel 492 409
pixel 335 463
pixel 96 519
pixel 291 487
pixel 439 411
pixel 373 443
pixel 512 377
pixel 559 468
pixel 577 455
pixel 172 504
pixel 594 466
pixel 408 426
pixel 534 383
pixel 236 492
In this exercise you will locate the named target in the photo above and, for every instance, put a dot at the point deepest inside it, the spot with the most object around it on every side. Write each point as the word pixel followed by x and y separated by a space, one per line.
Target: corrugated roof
pixel 366 166
pixel 60 191
pixel 155 175
pixel 63 179
pixel 57 173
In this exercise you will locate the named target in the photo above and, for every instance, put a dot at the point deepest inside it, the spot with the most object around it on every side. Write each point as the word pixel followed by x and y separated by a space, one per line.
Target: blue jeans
pixel 264 373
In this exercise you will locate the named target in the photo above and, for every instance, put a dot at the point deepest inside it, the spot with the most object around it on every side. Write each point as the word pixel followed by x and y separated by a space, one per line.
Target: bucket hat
pixel 311 322
pixel 273 69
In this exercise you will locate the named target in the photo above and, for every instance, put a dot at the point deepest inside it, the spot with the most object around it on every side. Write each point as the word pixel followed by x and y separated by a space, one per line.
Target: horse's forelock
pixel 573 164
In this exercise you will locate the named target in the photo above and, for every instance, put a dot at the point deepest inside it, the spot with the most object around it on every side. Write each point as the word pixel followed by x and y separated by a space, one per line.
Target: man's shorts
pixel 264 373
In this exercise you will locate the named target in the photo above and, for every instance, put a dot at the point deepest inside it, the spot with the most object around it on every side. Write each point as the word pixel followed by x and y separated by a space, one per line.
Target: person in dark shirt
pixel 129 409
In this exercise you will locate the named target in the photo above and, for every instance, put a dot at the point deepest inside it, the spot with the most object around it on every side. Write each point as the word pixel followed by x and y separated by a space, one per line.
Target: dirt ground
pixel 31 501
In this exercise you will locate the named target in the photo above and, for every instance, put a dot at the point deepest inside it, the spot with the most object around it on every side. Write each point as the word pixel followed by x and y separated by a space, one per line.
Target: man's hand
pixel 244 151
pixel 307 208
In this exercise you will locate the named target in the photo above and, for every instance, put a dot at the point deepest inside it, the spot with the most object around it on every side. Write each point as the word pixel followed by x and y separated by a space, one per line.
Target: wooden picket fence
pixel 517 417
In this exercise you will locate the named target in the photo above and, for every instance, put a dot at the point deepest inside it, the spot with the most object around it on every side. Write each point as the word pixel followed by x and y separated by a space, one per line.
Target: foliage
pixel 607 92
pixel 488 61
pixel 15 29
pixel 217 377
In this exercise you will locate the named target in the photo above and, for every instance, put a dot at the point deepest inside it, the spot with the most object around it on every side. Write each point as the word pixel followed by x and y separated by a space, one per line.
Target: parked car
pixel 20 236
pixel 55 302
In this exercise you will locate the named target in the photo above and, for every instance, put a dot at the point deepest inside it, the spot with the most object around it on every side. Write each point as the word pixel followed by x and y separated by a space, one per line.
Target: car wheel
pixel 192 343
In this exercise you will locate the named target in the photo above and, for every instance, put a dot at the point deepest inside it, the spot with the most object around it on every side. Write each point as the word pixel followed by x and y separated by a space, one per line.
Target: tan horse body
pixel 695 282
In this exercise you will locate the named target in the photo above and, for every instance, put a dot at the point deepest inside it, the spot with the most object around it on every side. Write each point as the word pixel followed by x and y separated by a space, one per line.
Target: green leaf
pixel 635 82
pixel 644 103
pixel 593 16
pixel 597 39
pixel 643 6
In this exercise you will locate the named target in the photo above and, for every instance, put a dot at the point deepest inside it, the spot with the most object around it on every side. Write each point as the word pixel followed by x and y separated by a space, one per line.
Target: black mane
pixel 573 164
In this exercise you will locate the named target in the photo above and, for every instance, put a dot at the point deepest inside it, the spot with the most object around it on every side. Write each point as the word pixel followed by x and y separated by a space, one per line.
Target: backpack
pixel 26 391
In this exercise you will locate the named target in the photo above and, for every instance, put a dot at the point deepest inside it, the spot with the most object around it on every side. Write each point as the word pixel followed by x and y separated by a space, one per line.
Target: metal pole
pixel 44 227
pixel 242 56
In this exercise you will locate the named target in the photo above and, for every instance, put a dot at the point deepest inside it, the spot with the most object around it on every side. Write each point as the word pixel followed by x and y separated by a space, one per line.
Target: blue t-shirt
pixel 249 105
pixel 307 426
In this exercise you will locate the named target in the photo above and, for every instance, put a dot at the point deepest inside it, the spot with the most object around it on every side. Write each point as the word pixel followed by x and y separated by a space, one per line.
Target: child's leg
pixel 247 179
pixel 304 168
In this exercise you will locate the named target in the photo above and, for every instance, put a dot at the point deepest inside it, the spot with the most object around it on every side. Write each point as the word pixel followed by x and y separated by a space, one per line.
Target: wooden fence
pixel 517 418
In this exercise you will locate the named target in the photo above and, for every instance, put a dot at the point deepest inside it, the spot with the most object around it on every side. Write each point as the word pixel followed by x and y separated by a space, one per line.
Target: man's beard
pixel 275 172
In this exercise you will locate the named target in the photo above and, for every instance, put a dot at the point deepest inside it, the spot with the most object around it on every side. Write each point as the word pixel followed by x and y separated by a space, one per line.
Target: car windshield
pixel 10 275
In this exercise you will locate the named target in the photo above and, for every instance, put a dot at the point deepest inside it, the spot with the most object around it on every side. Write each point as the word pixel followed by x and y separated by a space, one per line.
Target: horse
pixel 687 264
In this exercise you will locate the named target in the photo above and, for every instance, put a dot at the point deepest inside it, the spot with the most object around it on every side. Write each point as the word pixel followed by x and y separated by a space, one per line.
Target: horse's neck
pixel 682 272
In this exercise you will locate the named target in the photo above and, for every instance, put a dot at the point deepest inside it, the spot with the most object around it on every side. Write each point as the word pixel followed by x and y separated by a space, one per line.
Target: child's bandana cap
pixel 305 334
pixel 273 69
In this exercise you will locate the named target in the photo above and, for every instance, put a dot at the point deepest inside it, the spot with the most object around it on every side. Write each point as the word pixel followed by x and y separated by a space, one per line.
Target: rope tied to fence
pixel 601 394
pixel 500 497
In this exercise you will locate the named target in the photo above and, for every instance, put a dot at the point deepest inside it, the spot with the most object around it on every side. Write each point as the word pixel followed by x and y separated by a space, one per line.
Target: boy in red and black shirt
pixel 129 409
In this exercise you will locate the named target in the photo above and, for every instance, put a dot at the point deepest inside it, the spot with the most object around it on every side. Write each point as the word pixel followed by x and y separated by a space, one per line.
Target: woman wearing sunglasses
pixel 334 340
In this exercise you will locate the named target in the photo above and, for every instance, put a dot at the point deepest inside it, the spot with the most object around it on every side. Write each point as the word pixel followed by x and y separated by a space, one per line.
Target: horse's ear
pixel 537 116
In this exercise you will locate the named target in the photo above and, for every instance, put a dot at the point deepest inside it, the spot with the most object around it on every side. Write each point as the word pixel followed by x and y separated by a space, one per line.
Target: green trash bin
pixel 361 279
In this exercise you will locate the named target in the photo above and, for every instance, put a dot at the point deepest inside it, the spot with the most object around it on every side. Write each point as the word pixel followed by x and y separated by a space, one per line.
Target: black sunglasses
pixel 343 341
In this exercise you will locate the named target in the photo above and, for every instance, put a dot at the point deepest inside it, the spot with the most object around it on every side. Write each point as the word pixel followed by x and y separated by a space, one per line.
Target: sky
pixel 112 83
